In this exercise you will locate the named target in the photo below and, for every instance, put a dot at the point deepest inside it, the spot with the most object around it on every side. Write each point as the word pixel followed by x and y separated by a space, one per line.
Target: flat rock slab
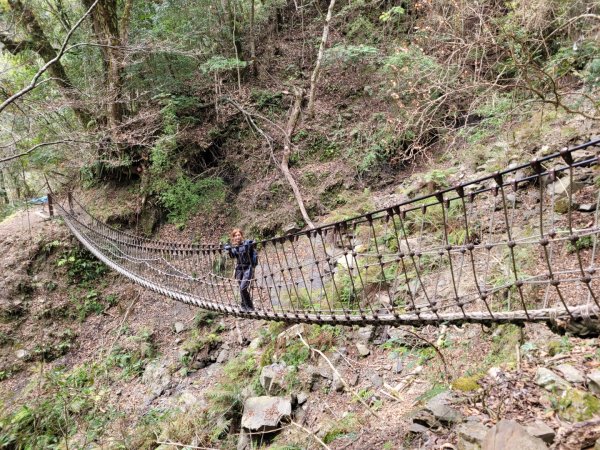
pixel 265 413
pixel 550 381
pixel 509 435
pixel 540 430
pixel 571 374
pixel 439 407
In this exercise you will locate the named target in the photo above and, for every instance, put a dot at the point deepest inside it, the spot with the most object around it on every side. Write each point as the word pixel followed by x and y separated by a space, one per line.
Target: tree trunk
pixel 38 42
pixel 3 191
pixel 252 41
pixel 317 70
pixel 107 31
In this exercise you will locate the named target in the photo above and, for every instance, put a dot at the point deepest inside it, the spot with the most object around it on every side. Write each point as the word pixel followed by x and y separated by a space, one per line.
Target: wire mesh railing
pixel 520 245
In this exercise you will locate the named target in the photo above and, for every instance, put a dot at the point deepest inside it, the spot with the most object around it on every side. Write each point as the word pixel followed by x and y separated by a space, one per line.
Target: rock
pixel 376 380
pixel 223 356
pixel 495 373
pixel 255 343
pixel 577 405
pixel 416 428
pixel 179 327
pixel 594 381
pixel 353 379
pixel 157 377
pixel 550 381
pixel 272 378
pixel 383 299
pixel 439 407
pixel 562 187
pixel 362 349
pixel 571 374
pixel 189 400
pixel 302 398
pixel 562 205
pixel 265 413
pixel 336 384
pixel 21 354
pixel 509 435
pixel 291 228
pixel 470 435
pixel 587 207
pixel 345 261
pixel 597 445
pixel 512 198
pixel 365 334
pixel 398 366
pixel 540 430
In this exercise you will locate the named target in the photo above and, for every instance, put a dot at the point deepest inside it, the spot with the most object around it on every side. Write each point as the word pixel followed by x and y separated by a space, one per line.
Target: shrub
pixel 186 197
pixel 82 266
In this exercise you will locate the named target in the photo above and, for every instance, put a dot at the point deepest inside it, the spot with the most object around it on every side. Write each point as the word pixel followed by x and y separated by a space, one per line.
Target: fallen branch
pixel 287 151
pixel 177 444
pixel 313 435
pixel 346 386
pixel 579 435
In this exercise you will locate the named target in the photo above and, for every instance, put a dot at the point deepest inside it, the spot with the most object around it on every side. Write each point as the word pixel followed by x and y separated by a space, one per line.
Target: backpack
pixel 254 257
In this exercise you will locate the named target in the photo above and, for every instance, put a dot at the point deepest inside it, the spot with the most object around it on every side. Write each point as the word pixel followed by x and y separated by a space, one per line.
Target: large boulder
pixel 266 413
pixel 509 435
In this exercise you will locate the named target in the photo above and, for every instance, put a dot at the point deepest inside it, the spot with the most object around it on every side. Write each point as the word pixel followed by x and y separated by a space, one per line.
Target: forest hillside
pixel 179 120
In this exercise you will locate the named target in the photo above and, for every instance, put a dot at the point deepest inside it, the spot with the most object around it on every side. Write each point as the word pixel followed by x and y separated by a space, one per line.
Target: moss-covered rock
pixel 575 405
pixel 466 384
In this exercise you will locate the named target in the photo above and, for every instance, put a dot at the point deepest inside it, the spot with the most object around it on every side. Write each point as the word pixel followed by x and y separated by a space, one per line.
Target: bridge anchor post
pixel 50 206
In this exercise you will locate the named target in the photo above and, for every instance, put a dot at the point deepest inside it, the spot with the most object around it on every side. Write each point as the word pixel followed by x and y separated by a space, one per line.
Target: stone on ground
pixel 509 435
pixel 571 374
pixel 272 378
pixel 550 381
pixel 179 327
pixel 265 413
pixel 470 435
pixel 540 430
pixel 594 381
pixel 363 350
pixel 439 407
pixel 157 376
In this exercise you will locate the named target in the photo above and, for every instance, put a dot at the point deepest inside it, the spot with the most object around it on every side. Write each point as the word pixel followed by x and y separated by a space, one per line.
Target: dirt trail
pixel 20 222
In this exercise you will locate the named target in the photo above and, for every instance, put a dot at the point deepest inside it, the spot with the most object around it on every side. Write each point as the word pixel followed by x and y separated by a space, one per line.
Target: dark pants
pixel 244 274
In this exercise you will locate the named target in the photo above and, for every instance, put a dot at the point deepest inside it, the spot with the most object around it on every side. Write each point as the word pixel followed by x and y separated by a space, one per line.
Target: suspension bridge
pixel 518 245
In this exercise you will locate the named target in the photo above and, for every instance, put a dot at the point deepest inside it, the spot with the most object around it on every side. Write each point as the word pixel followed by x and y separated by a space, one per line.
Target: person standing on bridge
pixel 247 259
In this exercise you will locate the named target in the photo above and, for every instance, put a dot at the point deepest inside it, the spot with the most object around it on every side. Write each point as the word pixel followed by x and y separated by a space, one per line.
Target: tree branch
pixel 35 147
pixel 34 81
